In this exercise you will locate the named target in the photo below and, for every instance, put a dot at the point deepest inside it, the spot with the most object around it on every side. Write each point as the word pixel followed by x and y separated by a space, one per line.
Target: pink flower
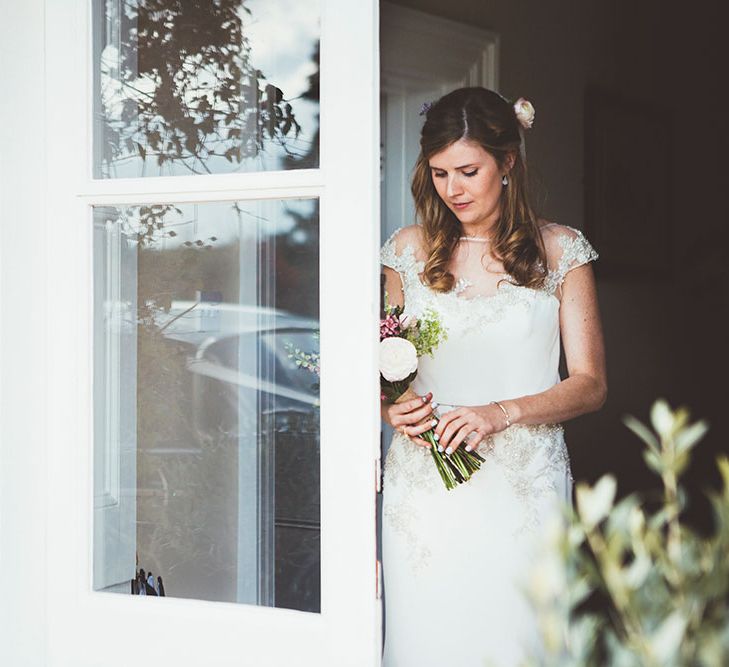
pixel 390 327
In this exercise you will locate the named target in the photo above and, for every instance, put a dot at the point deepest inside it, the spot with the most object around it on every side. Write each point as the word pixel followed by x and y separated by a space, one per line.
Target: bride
pixel 508 287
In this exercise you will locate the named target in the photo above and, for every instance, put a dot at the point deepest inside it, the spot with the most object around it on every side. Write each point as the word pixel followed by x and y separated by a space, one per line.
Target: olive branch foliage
pixel 662 589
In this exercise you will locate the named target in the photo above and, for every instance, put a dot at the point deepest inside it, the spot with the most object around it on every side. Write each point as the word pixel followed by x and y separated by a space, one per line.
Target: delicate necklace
pixel 474 238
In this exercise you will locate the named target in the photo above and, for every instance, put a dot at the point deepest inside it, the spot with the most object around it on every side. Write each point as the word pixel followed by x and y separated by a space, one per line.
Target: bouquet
pixel 403 339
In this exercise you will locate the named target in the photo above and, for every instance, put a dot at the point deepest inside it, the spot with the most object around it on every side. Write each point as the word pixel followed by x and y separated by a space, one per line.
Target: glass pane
pixel 205 87
pixel 206 454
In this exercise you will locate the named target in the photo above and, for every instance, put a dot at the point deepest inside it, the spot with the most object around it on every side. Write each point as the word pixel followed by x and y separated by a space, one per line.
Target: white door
pixel 212 226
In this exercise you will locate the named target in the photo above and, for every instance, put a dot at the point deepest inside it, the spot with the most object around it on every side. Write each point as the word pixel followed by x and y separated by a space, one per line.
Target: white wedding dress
pixel 456 564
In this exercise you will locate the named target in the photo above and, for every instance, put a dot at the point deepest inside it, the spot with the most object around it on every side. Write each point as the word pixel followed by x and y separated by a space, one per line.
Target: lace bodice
pixel 500 345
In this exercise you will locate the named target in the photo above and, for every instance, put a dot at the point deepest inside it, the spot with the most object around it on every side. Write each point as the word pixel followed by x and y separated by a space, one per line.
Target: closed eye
pixel 465 173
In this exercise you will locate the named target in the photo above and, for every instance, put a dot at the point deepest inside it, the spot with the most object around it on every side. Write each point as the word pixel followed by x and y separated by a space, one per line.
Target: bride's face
pixel 466 174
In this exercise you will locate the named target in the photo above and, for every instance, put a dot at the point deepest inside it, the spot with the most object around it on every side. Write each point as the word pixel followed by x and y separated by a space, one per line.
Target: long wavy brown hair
pixel 483 116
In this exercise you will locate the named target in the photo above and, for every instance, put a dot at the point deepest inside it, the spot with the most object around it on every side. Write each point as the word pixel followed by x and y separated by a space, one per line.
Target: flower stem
pixel 446 475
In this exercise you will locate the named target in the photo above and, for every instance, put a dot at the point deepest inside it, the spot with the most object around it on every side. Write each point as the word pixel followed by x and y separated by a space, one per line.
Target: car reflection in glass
pixel 243 380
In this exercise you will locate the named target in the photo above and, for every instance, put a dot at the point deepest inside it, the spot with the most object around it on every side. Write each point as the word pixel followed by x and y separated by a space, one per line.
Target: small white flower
pixel 398 358
pixel 407 321
pixel 524 112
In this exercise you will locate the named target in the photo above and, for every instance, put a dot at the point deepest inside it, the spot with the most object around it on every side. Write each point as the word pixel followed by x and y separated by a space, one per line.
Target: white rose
pixel 398 359
pixel 524 112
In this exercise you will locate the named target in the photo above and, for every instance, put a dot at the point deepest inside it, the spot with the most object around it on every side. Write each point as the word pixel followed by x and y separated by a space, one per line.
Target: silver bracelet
pixel 506 414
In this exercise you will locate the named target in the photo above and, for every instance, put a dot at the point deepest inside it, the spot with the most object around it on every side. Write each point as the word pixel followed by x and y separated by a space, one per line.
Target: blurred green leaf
pixel 654 461
pixel 662 589
pixel 666 640
pixel 723 464
pixel 642 432
pixel 593 504
pixel 687 438
pixel 662 418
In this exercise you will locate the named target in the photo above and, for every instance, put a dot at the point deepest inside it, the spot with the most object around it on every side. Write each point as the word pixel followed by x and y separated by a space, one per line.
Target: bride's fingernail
pixel 434 423
pixel 436 436
pixel 440 449
pixel 449 450
pixel 468 448
pixel 434 405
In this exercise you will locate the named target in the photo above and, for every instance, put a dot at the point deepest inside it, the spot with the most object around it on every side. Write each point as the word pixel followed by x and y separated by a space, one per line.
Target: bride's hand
pixel 405 417
pixel 456 425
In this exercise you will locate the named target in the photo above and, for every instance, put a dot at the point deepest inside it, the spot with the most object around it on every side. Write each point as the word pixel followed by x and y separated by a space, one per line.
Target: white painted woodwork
pixel 51 617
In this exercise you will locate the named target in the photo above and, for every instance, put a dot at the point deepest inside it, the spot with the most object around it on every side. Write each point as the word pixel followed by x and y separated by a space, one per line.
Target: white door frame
pixel 72 625
pixel 423 57
pixel 23 619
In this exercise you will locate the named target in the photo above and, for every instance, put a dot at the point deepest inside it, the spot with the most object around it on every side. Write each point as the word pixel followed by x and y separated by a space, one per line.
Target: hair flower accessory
pixel 524 112
pixel 425 108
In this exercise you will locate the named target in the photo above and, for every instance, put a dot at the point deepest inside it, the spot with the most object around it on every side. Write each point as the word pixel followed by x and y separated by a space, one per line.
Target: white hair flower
pixel 524 112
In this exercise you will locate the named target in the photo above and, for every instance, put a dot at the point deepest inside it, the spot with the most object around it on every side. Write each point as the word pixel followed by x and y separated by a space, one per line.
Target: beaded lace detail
pixel 457 312
pixel 531 457
pixel 412 466
pixel 576 250
pixel 461 285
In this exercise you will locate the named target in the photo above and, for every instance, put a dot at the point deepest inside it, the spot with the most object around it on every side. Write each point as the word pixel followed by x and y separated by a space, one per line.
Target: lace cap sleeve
pixel 388 253
pixel 398 252
pixel 570 249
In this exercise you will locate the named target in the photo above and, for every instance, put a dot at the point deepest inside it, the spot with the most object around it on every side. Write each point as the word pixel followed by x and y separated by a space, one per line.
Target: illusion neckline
pixel 503 288
pixel 419 265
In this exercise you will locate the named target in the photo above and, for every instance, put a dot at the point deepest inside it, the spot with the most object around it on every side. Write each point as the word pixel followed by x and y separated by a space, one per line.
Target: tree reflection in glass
pixel 178 91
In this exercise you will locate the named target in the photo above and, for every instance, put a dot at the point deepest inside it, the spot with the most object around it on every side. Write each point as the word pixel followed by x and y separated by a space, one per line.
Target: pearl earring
pixel 504 180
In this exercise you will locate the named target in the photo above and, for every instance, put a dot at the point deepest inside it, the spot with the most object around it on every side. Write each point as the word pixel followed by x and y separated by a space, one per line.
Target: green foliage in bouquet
pixel 427 334
pixel 661 589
